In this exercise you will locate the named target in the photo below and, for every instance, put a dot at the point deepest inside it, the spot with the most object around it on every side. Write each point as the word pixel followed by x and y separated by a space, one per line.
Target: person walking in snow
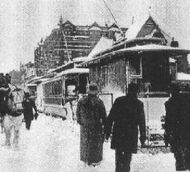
pixel 13 118
pixel 126 115
pixel 28 106
pixel 91 115
pixel 177 127
pixel 4 91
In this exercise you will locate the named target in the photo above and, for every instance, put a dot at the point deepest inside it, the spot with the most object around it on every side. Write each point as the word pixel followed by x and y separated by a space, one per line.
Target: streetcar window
pixel 53 88
pixel 135 66
pixel 70 87
pixel 156 72
pixel 71 90
pixel 82 83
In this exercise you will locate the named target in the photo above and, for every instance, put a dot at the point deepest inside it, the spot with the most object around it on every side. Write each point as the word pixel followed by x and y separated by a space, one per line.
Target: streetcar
pixel 146 64
pixel 63 90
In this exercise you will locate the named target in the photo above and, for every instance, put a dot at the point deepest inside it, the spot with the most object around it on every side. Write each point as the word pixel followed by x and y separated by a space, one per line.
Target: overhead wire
pixel 113 16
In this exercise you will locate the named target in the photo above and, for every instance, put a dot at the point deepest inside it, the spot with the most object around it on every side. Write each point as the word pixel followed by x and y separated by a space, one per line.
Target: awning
pixel 150 48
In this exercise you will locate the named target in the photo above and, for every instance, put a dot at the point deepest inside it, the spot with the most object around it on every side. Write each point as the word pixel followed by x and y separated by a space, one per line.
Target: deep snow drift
pixel 52 145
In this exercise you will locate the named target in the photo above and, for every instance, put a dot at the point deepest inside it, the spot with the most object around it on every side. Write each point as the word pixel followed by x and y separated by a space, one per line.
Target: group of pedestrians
pixel 125 118
pixel 12 116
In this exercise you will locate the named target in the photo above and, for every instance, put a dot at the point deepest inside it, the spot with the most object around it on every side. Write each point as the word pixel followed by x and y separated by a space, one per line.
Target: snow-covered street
pixel 52 145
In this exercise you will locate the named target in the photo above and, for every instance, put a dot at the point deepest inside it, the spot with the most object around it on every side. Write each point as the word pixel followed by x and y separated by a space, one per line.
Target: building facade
pixel 28 71
pixel 69 41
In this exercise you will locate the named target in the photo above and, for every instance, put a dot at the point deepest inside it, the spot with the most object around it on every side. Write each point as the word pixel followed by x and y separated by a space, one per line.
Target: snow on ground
pixel 52 145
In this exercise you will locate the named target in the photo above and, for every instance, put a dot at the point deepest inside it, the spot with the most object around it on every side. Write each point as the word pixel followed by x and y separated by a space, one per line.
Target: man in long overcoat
pixel 126 115
pixel 91 115
pixel 177 127
pixel 28 106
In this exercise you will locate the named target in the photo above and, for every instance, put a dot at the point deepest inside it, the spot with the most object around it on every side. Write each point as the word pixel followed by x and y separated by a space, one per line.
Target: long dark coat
pixel 4 91
pixel 28 106
pixel 91 116
pixel 177 127
pixel 177 124
pixel 126 115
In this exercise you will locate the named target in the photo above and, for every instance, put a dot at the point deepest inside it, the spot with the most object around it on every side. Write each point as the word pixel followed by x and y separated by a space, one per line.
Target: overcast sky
pixel 24 22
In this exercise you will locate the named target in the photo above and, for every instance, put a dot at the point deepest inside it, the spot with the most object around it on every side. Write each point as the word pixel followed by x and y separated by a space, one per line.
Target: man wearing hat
pixel 91 116
pixel 28 106
pixel 126 115
pixel 177 128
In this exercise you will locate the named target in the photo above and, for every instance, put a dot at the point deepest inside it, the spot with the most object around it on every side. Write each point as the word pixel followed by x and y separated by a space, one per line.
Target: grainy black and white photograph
pixel 94 85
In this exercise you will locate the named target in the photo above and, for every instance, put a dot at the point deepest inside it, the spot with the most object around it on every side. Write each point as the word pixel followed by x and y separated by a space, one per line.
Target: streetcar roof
pixel 73 71
pixel 31 85
pixel 156 48
pixel 140 49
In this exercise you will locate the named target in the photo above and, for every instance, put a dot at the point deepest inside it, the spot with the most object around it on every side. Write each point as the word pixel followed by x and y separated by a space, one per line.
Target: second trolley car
pixel 62 89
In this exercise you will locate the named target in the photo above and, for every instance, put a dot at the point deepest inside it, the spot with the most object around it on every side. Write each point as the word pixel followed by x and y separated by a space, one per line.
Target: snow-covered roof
pixel 31 85
pixel 52 70
pixel 80 36
pixel 114 29
pixel 103 44
pixel 73 71
pixel 80 59
pixel 95 28
pixel 172 51
pixel 134 29
pixel 40 80
pixel 182 76
pixel 155 47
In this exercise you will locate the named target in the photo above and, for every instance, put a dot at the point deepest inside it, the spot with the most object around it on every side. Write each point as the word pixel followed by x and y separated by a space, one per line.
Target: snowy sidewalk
pixel 52 145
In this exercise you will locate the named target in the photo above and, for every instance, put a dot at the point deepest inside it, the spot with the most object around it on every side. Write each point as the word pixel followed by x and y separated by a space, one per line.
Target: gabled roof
pixel 68 23
pixel 95 26
pixel 144 28
pixel 113 26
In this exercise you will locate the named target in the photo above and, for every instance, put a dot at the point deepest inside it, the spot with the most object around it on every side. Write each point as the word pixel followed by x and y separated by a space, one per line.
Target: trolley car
pixel 63 88
pixel 145 64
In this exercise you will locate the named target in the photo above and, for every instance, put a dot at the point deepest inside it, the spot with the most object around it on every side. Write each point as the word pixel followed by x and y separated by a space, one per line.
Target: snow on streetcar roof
pixel 73 71
pixel 173 51
pixel 154 47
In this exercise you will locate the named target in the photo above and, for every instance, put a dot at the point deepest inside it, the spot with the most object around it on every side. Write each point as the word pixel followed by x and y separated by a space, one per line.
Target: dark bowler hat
pixel 92 89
